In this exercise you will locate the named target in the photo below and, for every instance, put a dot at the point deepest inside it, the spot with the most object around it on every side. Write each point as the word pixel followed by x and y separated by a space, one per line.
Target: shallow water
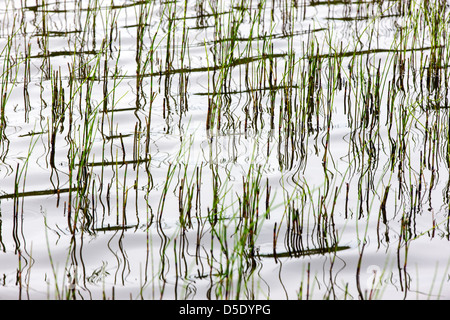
pixel 203 150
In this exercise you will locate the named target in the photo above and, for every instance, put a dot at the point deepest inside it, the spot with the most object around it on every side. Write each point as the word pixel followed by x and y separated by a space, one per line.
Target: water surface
pixel 224 150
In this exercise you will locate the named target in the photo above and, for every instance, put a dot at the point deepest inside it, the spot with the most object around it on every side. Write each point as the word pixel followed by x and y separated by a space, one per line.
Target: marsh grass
pixel 220 147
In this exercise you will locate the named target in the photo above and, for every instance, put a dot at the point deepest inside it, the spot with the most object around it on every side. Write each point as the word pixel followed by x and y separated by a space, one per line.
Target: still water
pixel 224 150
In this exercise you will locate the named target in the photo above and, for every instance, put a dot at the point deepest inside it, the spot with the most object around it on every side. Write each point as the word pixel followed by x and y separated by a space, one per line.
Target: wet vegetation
pixel 204 149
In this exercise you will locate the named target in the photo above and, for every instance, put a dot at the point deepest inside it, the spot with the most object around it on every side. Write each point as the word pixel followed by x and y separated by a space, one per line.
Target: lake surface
pixel 224 150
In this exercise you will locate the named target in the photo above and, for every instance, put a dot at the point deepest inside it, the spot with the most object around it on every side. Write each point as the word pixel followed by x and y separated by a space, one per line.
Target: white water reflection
pixel 288 152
